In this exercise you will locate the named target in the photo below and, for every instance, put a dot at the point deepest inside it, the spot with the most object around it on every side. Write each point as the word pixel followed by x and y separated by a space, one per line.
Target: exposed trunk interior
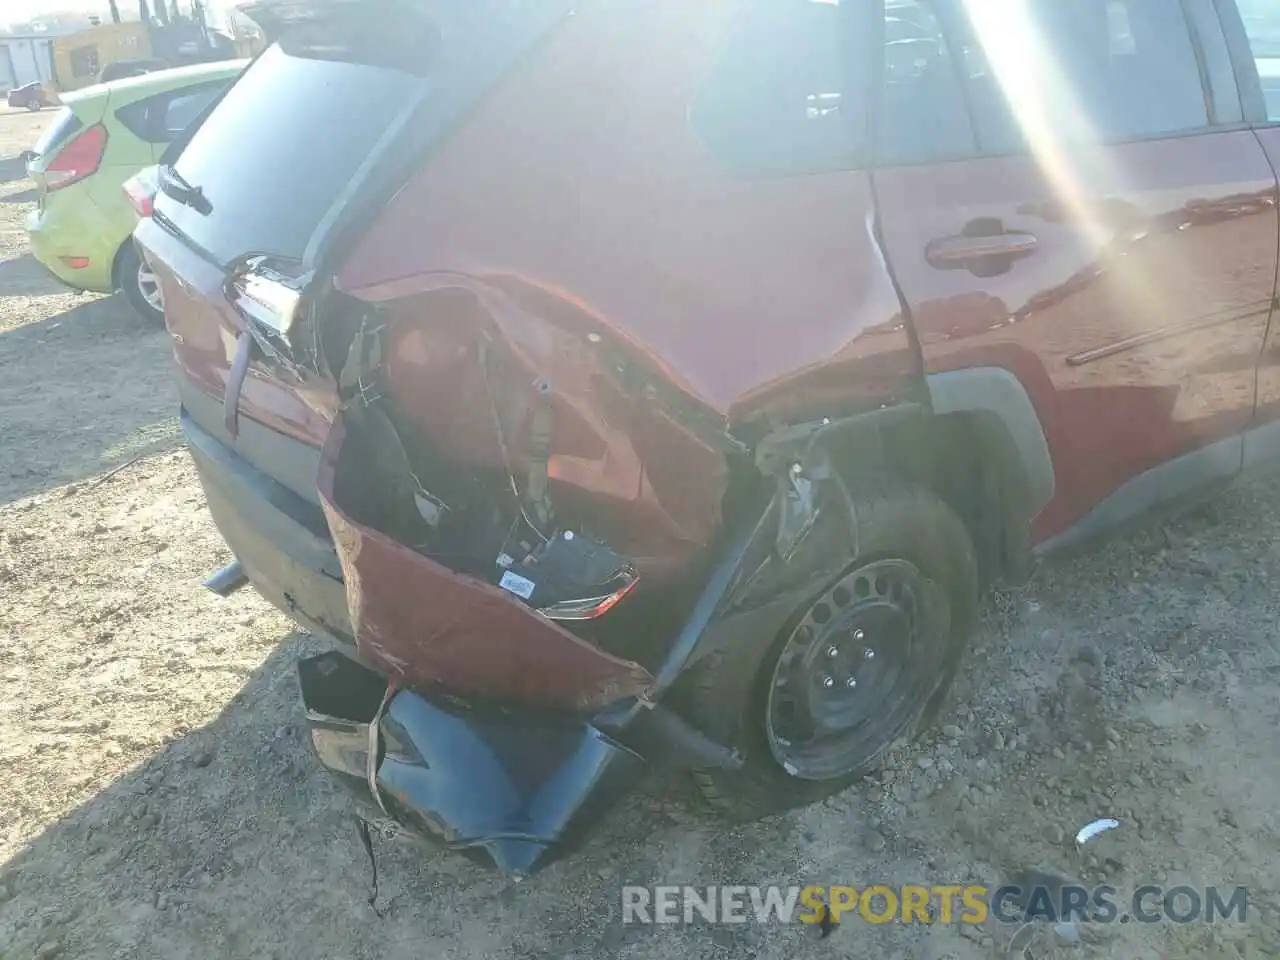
pixel 496 486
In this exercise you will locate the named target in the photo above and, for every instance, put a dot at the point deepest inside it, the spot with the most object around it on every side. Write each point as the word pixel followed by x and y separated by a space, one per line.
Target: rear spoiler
pixel 275 17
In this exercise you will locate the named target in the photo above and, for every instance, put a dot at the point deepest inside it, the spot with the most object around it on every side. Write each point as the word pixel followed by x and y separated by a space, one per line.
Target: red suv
pixel 659 381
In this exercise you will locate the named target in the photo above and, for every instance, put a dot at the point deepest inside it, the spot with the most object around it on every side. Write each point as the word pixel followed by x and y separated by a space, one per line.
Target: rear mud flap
pixel 511 789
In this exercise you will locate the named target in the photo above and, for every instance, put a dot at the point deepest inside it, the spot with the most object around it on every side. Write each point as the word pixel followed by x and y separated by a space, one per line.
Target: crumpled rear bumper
pixel 513 789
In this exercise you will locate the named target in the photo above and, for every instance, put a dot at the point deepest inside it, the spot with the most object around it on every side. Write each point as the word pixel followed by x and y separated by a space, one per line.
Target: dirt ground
pixel 158 799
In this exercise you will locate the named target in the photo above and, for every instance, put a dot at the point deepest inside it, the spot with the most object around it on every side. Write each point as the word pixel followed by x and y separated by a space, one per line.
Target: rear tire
pixel 891 629
pixel 139 283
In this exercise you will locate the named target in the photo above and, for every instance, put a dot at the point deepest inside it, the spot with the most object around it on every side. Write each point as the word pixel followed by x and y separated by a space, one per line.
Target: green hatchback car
pixel 82 228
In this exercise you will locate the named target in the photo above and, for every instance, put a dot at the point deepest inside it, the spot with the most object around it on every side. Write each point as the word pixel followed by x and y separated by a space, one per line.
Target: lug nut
pixel 858 634
pixel 868 653
pixel 851 683
pixel 828 682
pixel 833 651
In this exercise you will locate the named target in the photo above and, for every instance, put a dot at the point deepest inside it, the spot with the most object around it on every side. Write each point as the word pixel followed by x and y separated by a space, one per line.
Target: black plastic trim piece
pixel 1252 99
pixel 996 391
pixel 287 461
pixel 266 504
pixel 1181 478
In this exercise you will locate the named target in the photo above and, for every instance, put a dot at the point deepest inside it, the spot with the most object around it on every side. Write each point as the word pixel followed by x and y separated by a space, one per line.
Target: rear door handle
pixel 963 250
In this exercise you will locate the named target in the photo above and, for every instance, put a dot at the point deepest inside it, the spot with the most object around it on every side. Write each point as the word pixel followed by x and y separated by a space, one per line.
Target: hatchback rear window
pixel 280 148
pixel 64 126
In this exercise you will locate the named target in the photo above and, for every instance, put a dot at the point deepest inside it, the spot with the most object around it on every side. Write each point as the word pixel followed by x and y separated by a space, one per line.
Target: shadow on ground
pixel 24 276
pixel 23 196
pixel 83 391
pixel 12 168
pixel 233 835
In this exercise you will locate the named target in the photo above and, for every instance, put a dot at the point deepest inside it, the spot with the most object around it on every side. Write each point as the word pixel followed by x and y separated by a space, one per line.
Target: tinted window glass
pixel 160 118
pixel 1262 23
pixel 924 116
pixel 788 93
pixel 178 110
pixel 137 118
pixel 279 149
pixel 1102 71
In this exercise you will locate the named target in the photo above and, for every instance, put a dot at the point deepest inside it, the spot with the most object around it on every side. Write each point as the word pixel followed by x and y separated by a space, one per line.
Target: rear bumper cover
pixel 281 539
pixel 72 226
pixel 510 789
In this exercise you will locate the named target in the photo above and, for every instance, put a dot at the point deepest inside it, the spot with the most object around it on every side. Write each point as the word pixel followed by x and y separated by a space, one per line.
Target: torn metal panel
pixel 514 790
pixel 546 394
pixel 430 627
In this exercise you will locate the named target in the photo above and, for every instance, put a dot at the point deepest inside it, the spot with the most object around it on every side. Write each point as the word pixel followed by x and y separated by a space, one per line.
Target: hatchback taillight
pixel 141 189
pixel 80 158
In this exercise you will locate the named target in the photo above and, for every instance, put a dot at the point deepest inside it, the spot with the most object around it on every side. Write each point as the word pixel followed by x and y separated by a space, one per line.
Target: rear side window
pixel 65 125
pixel 161 118
pixel 1094 71
pixel 176 113
pixel 279 149
pixel 923 117
pixel 789 91
pixel 1262 24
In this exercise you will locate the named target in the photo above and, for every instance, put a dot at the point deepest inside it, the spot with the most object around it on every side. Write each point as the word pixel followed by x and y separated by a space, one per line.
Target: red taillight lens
pixel 141 189
pixel 591 608
pixel 80 158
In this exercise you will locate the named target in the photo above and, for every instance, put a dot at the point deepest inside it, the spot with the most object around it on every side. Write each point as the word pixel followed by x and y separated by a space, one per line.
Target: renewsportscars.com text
pixel 942 903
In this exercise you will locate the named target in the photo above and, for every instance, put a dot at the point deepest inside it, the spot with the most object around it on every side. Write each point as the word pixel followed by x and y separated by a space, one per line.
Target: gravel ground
pixel 158 798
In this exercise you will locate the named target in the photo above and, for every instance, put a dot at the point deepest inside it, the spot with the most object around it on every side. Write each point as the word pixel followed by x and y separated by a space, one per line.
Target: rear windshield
pixel 64 126
pixel 274 155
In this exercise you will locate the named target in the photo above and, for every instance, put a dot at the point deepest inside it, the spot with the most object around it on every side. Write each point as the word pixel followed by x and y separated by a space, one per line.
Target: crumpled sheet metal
pixel 632 451
pixel 428 627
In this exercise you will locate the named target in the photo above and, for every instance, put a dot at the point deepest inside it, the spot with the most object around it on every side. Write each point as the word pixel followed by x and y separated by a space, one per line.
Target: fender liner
pixel 998 392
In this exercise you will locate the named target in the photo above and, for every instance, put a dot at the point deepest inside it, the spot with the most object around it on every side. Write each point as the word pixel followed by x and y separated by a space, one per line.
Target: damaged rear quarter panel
pixel 430 628
pixel 577 229
pixel 581 184
pixel 636 469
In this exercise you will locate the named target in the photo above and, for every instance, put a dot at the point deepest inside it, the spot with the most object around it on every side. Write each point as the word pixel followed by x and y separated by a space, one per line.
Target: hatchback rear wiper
pixel 172 184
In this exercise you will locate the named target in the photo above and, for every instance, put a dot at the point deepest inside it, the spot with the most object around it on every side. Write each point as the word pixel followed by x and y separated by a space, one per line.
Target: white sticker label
pixel 505 561
pixel 514 583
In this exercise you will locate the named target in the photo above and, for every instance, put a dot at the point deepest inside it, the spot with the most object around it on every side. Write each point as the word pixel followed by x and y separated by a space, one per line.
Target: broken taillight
pixel 568 577
pixel 141 189
pixel 590 608
pixel 267 292
pixel 78 159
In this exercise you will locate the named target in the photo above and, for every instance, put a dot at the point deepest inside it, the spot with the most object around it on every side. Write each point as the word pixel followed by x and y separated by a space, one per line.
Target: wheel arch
pixel 976 441
pixel 116 259
pixel 997 395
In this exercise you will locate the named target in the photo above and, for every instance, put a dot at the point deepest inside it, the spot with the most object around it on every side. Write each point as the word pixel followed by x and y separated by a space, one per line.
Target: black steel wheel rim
pixel 855 671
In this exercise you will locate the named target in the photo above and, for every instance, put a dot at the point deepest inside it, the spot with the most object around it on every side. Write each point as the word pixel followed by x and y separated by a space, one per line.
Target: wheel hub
pixel 847 670
pixel 845 682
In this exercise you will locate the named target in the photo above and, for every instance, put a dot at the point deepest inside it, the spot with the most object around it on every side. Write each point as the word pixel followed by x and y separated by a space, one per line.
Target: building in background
pixel 184 35
pixel 78 58
pixel 25 58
